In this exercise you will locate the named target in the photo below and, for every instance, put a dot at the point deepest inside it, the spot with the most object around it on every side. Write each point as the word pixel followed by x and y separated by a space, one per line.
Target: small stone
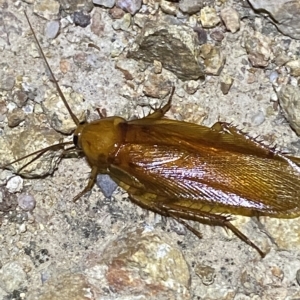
pixel 52 29
pixel 168 7
pixel 231 19
pixel 123 23
pixel 202 35
pixel 217 35
pixel 281 59
pixel 105 3
pixel 70 6
pixel 190 6
pixel 131 6
pixel 289 99
pixel 294 65
pixel 273 76
pixel 207 274
pixel 191 86
pixel 157 86
pixel 258 48
pixel 98 25
pixel 140 20
pixel 157 67
pixel 15 117
pixel 214 59
pixel 26 202
pixel 116 13
pixel 81 18
pixel 106 185
pixel 209 17
pixel 20 98
pixel 64 66
pixel 140 262
pixel 22 228
pixel 15 184
pixel 48 9
pixel 226 83
pixel 172 45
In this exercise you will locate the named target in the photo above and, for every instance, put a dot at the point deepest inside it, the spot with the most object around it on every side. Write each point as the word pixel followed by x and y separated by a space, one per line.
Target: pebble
pixel 202 35
pixel 190 6
pixel 214 59
pixel 105 3
pixel 289 99
pixel 157 67
pixel 131 6
pixel 52 29
pixel 273 76
pixel 106 185
pixel 81 18
pixel 48 9
pixel 226 83
pixel 258 48
pixel 231 19
pixel 123 23
pixel 116 13
pixel 172 45
pixel 20 98
pixel 217 35
pixel 15 117
pixel 209 17
pixel 294 66
pixel 26 202
pixel 168 7
pixel 191 86
pixel 15 184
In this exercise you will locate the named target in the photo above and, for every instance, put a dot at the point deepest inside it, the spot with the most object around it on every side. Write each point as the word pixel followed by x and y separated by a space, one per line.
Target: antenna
pixel 75 119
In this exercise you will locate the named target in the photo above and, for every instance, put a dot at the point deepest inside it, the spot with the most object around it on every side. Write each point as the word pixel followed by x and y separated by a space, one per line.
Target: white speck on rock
pixel 15 184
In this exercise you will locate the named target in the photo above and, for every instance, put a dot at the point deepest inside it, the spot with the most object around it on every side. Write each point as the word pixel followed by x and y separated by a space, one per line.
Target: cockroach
pixel 187 171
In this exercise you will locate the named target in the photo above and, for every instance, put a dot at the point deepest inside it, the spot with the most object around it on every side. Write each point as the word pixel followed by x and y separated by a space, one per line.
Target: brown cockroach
pixel 188 171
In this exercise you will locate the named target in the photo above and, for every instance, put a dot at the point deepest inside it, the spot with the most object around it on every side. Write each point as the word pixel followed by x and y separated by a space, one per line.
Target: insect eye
pixel 75 140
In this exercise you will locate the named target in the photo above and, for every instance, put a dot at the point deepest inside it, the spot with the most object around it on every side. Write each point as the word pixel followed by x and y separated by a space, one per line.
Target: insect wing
pixel 194 166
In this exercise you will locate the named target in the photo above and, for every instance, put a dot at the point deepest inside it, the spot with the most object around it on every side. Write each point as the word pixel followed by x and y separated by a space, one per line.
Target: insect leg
pixel 173 210
pixel 159 113
pixel 167 209
pixel 224 127
pixel 90 184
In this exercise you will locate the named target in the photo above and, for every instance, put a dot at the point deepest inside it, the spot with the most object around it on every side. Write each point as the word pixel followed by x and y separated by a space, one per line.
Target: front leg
pixel 92 179
pixel 160 112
